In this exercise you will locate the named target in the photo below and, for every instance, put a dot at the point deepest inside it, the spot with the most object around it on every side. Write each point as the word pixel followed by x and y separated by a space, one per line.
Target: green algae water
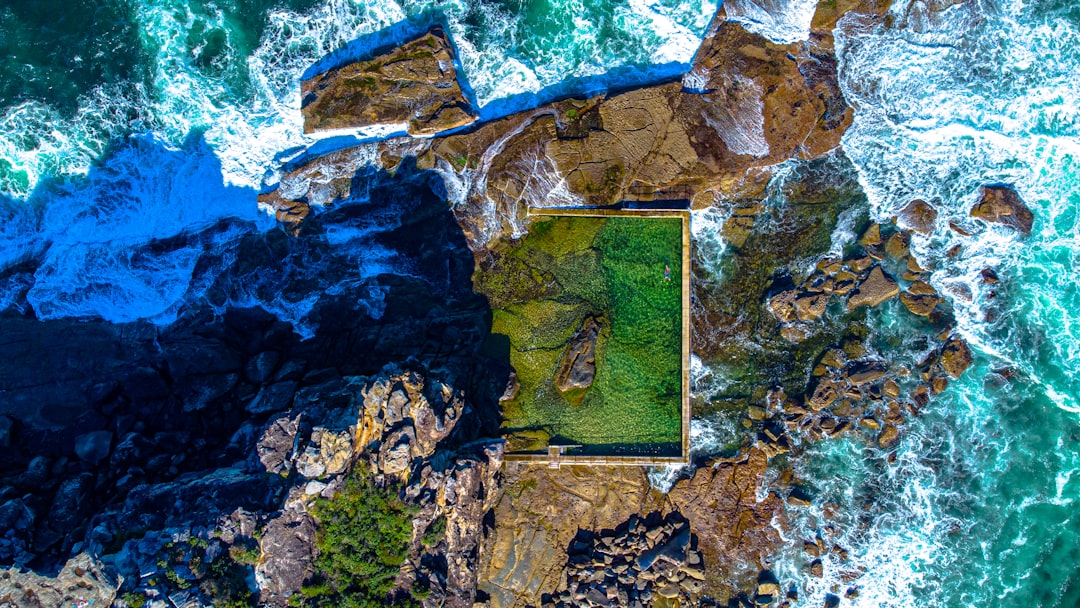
pixel 128 121
pixel 625 273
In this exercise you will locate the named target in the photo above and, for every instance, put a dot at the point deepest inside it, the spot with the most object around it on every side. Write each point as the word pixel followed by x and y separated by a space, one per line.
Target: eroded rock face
pixel 414 84
pixel 578 366
pixel 746 104
pixel 1002 205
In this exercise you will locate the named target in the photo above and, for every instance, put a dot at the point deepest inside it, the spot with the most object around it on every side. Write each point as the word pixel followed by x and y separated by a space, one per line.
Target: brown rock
pixel 578 366
pixel 889 436
pixel 825 393
pixel 863 374
pixel 734 528
pixel 989 276
pixel 890 388
pixel 897 246
pixel 1000 204
pixel 415 83
pixel 782 306
pixel 919 305
pixel 919 216
pixel 872 236
pixel 817 569
pixel 795 332
pixel 875 289
pixel 955 357
pixel 809 306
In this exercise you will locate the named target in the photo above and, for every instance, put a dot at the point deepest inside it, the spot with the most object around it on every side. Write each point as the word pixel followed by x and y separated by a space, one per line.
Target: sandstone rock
pixel 732 525
pixel 918 215
pixel 578 366
pixel 782 306
pixel 897 246
pixel 795 332
pixel 863 373
pixel 888 437
pixel 810 306
pixel 876 288
pixel 825 393
pixel 415 83
pixel 921 305
pixel 955 357
pixel 872 235
pixel 1000 204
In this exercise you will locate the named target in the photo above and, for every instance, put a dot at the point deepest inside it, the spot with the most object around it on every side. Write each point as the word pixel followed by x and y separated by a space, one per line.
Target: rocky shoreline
pixel 156 453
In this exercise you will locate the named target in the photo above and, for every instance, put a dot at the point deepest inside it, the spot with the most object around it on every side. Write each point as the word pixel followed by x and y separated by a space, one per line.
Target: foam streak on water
pixel 973 512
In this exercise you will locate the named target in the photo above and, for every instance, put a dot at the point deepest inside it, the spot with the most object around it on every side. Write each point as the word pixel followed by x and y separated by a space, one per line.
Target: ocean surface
pixel 127 121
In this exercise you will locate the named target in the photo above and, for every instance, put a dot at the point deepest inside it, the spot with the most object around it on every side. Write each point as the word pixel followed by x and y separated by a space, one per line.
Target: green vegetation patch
pixel 623 271
pixel 364 534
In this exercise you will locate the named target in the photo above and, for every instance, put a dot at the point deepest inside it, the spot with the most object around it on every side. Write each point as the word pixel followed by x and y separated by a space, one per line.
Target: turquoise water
pixel 126 121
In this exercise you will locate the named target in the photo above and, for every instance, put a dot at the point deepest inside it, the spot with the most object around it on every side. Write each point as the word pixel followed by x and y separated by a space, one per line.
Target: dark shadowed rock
pixel 93 446
pixel 1000 204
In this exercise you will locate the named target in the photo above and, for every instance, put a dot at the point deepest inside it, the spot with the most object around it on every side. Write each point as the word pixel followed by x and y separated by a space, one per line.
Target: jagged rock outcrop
pixel 414 84
pixel 746 103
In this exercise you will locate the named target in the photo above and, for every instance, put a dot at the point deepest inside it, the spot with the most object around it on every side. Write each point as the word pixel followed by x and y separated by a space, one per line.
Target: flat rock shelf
pixel 598 327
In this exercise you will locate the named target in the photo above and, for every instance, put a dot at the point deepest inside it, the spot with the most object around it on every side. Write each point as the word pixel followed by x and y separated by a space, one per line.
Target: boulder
pixel 93 447
pixel 918 215
pixel 274 398
pixel 809 306
pixel 876 288
pixel 955 357
pixel 578 365
pixel 782 306
pixel 1000 204
pixel 921 305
